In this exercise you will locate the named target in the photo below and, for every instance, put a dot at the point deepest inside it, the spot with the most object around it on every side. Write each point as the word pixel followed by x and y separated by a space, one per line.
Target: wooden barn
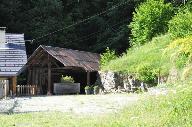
pixel 47 64
pixel 12 58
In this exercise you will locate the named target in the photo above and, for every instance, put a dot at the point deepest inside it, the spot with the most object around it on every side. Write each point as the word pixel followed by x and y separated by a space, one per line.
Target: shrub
pixel 181 24
pixel 107 56
pixel 146 73
pixel 181 50
pixel 96 87
pixel 150 19
pixel 87 88
pixel 67 79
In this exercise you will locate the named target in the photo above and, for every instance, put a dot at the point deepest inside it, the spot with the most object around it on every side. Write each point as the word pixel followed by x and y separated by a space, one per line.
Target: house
pixel 12 58
pixel 47 64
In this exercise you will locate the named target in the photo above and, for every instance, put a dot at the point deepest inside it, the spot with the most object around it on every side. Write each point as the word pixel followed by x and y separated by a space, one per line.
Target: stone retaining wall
pixel 112 81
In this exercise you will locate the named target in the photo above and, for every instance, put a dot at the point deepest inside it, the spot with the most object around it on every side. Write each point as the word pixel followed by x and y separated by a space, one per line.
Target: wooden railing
pixel 26 90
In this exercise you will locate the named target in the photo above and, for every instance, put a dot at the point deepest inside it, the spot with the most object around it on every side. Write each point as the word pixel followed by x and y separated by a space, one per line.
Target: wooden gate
pixel 26 90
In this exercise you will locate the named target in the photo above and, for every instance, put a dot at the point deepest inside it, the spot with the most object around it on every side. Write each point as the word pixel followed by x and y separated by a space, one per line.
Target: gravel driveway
pixel 79 104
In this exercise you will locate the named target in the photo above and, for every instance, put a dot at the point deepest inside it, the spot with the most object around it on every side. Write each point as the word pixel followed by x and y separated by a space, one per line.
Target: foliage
pixel 65 79
pixel 160 55
pixel 146 73
pixel 181 24
pixel 181 51
pixel 36 18
pixel 87 88
pixel 107 56
pixel 147 59
pixel 150 19
pixel 96 87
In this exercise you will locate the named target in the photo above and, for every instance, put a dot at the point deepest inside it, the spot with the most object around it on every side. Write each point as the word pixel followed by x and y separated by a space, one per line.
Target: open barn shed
pixel 47 64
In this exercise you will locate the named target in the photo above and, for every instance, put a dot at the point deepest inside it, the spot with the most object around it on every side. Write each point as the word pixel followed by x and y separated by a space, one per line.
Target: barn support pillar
pixel 14 84
pixel 88 78
pixel 49 76
pixel 29 75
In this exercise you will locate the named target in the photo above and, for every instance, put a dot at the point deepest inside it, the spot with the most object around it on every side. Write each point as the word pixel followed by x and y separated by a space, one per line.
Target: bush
pixel 96 87
pixel 67 79
pixel 181 24
pixel 87 88
pixel 150 19
pixel 107 56
pixel 146 73
pixel 181 51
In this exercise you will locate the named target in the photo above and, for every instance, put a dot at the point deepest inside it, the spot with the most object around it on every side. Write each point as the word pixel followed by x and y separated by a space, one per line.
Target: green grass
pixel 150 53
pixel 173 109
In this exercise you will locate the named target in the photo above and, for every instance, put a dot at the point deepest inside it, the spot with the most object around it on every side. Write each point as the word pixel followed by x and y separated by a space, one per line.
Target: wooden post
pixel 14 84
pixel 36 76
pixel 88 78
pixel 29 75
pixel 49 76
pixel 18 90
pixel 33 76
pixel 5 86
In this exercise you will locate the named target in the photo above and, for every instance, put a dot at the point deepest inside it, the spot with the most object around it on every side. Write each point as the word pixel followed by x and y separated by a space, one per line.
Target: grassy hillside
pixel 157 56
pixel 149 54
pixel 161 54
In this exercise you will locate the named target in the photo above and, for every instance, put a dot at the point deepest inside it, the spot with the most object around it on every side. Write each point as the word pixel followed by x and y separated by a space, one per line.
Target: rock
pixel 114 82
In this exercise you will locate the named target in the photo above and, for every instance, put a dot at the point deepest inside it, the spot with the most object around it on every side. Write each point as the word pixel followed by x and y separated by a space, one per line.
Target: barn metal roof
pixel 71 58
pixel 12 54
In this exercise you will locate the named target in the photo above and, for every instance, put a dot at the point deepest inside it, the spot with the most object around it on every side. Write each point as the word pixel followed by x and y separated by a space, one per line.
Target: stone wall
pixel 114 81
pixel 110 80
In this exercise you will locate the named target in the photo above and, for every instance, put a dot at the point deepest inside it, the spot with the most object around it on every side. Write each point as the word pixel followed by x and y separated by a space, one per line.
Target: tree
pixel 36 18
pixel 150 19
pixel 9 10
pixel 181 24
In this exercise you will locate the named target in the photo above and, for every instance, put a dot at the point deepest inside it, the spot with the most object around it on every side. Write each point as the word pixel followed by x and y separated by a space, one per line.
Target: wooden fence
pixel 26 90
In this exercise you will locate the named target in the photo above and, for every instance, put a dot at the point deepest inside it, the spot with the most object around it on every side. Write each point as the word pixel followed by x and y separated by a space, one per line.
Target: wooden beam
pixel 62 68
pixel 14 84
pixel 33 76
pixel 29 75
pixel 49 75
pixel 36 76
pixel 88 78
pixel 37 57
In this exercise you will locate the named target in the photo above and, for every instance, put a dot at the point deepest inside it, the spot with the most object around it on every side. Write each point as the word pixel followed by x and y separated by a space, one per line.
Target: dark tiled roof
pixel 12 55
pixel 71 58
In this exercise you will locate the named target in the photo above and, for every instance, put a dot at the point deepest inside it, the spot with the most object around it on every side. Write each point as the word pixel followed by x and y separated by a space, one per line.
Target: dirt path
pixel 78 104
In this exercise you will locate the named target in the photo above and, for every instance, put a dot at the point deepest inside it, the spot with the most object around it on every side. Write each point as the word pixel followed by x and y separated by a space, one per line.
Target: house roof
pixel 70 58
pixel 12 54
